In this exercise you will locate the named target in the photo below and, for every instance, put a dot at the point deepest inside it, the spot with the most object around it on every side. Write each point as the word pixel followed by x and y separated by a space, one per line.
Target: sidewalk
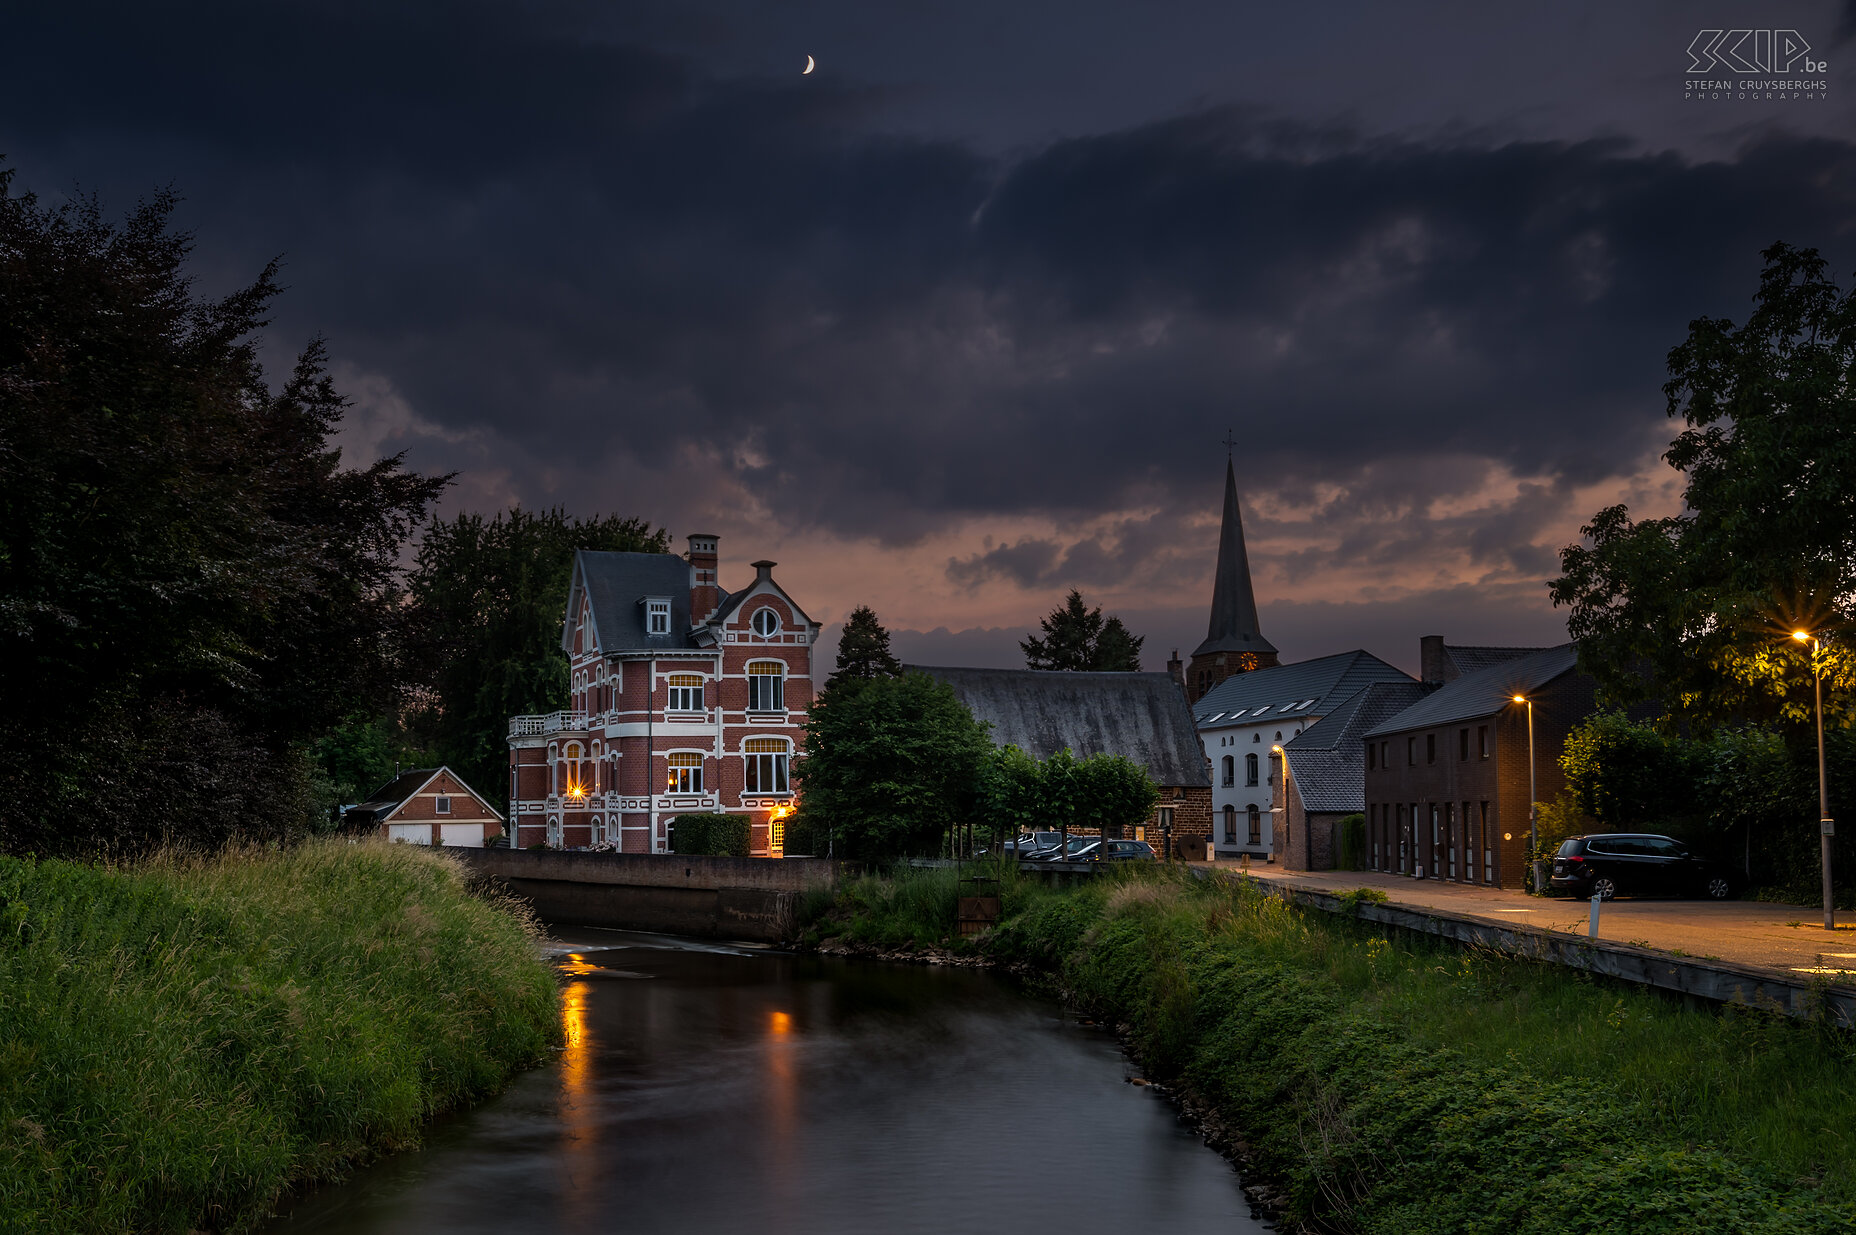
pixel 1789 938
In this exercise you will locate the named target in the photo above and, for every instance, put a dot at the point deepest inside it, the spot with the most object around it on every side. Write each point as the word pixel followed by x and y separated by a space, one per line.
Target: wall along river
pixel 717 1088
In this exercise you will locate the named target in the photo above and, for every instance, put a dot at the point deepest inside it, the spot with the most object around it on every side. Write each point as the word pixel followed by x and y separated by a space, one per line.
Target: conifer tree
pixel 1077 638
pixel 863 650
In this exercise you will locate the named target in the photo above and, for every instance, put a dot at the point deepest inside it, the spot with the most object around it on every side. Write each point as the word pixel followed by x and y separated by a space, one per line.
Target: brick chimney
pixel 1434 666
pixel 1176 668
pixel 705 592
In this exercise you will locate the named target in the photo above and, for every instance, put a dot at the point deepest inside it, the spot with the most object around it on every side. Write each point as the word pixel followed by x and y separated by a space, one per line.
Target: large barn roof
pixel 1143 716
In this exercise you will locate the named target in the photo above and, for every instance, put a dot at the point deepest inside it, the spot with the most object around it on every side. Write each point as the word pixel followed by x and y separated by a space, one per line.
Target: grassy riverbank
pixel 1397 1086
pixel 182 1040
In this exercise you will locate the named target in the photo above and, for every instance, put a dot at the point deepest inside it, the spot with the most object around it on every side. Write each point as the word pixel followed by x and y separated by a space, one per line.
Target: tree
pixel 488 597
pixel 863 651
pixel 192 588
pixel 1077 638
pixel 1117 793
pixel 889 768
pixel 1696 610
pixel 1629 776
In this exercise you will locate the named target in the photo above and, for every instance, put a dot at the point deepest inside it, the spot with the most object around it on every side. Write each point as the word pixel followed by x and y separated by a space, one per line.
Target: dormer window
pixel 657 615
pixel 766 623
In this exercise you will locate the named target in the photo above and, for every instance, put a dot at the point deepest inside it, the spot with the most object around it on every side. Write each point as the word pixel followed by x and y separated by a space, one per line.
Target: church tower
pixel 1233 643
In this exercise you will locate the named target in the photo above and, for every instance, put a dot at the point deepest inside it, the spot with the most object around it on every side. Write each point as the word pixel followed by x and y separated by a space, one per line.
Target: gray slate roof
pixel 1143 716
pixel 1234 626
pixel 1483 693
pixel 1328 680
pixel 1476 659
pixel 617 582
pixel 1325 759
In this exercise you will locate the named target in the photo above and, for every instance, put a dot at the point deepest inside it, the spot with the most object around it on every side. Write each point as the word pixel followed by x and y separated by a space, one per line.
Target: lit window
pixel 657 617
pixel 766 686
pixel 766 765
pixel 766 622
pixel 685 692
pixel 444 806
pixel 685 774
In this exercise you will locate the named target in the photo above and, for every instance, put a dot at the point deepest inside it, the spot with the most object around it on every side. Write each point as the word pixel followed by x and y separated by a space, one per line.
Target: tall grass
pixel 906 906
pixel 181 1040
pixel 1407 1086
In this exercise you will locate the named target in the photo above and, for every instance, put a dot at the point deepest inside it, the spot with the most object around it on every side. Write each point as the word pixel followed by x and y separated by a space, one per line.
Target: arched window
pixel 685 774
pixel 1256 825
pixel 1230 824
pixel 1230 771
pixel 766 765
pixel 685 692
pixel 575 771
pixel 766 623
pixel 766 685
pixel 1250 769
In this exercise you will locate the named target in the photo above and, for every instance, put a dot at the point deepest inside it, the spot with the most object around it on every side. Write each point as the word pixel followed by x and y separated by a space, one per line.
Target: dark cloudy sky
pixel 958 321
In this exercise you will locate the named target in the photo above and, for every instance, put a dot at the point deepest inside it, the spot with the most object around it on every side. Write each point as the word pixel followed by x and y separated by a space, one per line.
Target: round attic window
pixel 766 622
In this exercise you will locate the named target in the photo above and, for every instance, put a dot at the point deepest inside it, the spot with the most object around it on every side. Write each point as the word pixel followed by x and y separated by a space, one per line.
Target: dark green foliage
pixel 1740 795
pixel 1391 1088
pixel 488 597
pixel 714 836
pixel 892 766
pixel 1696 611
pixel 1011 799
pixel 863 651
pixel 1116 794
pixel 191 588
pixel 182 1041
pixel 1105 793
pixel 807 836
pixel 1351 837
pixel 1077 638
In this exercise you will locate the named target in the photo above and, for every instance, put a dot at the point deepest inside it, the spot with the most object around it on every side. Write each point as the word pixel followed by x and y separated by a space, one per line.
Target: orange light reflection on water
pixel 579 1123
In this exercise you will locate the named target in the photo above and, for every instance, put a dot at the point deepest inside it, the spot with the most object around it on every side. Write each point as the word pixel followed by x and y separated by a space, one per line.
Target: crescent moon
pixel 810 65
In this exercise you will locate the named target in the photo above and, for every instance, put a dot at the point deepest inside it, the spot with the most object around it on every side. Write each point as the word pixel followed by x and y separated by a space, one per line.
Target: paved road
pixel 1785 937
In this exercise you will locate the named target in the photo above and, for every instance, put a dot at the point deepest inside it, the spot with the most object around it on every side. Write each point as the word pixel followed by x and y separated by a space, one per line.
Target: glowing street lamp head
pixel 1801 636
pixel 1520 698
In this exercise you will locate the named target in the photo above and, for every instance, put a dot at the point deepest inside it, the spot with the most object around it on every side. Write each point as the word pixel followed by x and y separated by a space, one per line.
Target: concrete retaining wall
pixel 717 898
pixel 1714 981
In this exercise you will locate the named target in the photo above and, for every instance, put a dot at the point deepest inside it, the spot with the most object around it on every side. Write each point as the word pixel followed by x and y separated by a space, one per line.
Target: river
pixel 714 1088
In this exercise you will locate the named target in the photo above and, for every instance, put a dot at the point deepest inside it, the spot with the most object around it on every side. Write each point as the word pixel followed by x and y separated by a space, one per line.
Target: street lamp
pixel 1826 826
pixel 1533 802
pixel 1283 757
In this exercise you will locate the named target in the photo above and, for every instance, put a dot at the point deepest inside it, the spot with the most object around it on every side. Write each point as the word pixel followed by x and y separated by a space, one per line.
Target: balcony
pixel 551 722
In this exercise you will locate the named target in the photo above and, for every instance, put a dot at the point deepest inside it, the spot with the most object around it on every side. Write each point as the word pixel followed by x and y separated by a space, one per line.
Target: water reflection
pixel 707 1089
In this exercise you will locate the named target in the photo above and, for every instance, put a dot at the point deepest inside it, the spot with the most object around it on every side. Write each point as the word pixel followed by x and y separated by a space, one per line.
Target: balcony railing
pixel 551 722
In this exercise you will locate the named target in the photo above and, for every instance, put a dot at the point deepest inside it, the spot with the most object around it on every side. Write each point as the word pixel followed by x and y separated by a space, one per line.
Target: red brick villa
pixel 686 699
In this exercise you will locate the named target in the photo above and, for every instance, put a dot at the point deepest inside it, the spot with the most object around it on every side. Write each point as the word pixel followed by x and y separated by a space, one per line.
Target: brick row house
pixel 1445 781
pixel 686 698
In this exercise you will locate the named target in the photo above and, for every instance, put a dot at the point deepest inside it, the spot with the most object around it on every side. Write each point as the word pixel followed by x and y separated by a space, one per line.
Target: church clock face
pixel 1247 662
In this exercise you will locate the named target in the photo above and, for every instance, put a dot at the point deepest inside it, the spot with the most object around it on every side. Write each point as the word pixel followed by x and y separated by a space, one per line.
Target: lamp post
pixel 1283 757
pixel 1826 826
pixel 1533 802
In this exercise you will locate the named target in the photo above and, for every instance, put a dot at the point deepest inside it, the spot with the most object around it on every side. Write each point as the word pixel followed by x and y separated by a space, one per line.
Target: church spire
pixel 1234 641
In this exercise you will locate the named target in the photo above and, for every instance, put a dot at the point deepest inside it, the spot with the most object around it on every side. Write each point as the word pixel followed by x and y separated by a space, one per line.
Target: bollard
pixel 1592 930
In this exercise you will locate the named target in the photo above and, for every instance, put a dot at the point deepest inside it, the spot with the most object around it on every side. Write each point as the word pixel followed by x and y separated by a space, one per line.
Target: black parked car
pixel 1638 864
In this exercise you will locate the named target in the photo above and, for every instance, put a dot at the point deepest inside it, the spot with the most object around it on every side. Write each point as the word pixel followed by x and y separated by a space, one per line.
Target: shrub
pixel 1350 835
pixel 712 836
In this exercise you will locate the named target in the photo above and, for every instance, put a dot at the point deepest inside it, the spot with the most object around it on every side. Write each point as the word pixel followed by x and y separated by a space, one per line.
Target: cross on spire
pixel 1230 443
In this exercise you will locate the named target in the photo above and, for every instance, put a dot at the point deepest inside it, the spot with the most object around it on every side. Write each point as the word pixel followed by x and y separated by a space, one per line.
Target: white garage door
pixel 412 833
pixel 469 835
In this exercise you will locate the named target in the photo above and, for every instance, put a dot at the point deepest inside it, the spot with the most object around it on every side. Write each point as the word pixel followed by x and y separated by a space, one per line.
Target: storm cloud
pixel 587 266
